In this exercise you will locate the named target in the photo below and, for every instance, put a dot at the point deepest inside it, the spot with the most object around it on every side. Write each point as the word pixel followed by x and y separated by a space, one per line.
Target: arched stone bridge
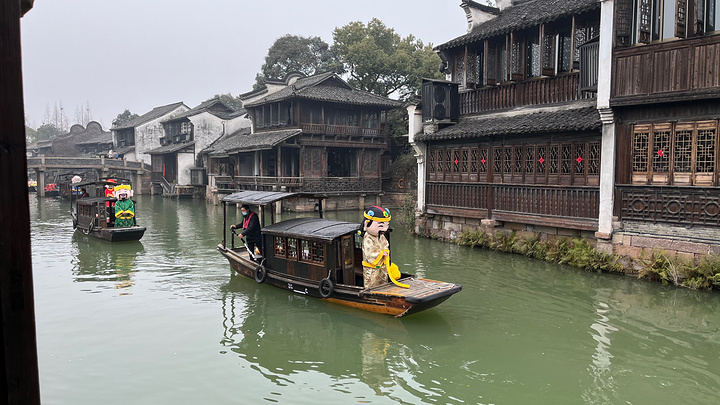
pixel 101 165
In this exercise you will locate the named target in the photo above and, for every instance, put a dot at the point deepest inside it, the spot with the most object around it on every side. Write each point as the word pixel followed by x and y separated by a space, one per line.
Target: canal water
pixel 162 321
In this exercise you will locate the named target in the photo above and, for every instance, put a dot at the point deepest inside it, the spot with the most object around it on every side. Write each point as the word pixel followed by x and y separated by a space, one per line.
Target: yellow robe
pixel 374 271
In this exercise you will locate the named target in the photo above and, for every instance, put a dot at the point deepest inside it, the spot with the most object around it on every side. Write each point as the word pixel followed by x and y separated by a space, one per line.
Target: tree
pixel 46 132
pixel 233 102
pixel 378 60
pixel 83 115
pixel 31 135
pixel 124 117
pixel 293 53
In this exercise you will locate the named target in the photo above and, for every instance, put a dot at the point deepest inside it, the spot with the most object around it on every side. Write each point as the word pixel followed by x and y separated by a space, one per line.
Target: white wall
pixel 147 135
pixel 185 161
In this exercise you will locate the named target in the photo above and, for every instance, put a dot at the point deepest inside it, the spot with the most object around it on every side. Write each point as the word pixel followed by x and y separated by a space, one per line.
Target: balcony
pixel 333 185
pixel 666 72
pixel 544 90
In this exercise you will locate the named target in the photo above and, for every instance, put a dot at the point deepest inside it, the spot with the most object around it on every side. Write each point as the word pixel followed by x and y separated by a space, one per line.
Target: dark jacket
pixel 251 223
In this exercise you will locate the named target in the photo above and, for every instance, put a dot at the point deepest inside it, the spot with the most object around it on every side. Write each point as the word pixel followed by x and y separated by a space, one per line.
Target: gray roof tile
pixel 536 122
pixel 523 15
pixel 155 113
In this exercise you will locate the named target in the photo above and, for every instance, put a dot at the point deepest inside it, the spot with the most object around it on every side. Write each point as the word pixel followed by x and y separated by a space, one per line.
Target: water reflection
pixel 105 263
pixel 283 334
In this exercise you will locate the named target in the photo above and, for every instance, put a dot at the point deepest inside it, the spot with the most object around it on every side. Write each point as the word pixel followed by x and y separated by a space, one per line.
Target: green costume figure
pixel 124 207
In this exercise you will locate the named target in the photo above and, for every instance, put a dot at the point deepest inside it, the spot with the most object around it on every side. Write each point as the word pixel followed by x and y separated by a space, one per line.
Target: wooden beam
pixel 19 373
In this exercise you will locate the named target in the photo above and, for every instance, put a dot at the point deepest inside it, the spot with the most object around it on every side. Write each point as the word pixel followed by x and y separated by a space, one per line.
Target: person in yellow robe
pixel 375 246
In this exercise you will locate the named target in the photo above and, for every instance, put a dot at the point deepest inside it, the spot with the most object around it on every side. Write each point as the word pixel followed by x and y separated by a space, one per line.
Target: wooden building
pixel 312 134
pixel 577 117
pixel 514 135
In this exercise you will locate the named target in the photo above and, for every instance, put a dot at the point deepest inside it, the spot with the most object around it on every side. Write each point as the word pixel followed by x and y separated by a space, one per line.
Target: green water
pixel 162 321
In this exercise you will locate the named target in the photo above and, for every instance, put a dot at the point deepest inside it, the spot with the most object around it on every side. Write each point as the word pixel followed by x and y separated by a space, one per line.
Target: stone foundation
pixel 631 241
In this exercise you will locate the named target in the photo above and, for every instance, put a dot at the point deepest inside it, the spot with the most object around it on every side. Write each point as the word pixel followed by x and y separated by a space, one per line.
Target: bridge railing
pixel 74 162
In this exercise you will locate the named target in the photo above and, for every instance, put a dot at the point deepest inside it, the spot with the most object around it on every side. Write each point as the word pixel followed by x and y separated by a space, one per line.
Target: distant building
pixel 90 141
pixel 313 134
pixel 175 167
pixel 134 138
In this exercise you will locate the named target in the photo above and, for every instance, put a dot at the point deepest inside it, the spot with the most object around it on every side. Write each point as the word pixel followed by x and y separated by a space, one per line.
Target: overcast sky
pixel 140 54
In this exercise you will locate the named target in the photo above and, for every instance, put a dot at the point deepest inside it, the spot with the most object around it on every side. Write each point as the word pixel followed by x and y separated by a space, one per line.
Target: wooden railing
pixel 589 66
pixel 575 207
pixel 339 130
pixel 306 184
pixel 546 90
pixel 667 71
pixel 669 204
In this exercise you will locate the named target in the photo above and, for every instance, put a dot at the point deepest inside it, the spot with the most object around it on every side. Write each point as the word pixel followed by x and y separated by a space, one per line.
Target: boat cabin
pixel 315 248
pixel 94 214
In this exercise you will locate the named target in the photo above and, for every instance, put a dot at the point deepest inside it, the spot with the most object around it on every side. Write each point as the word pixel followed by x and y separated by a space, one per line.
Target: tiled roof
pixel 551 120
pixel 523 15
pixel 105 137
pixel 171 148
pixel 124 149
pixel 155 113
pixel 213 106
pixel 66 145
pixel 327 87
pixel 243 140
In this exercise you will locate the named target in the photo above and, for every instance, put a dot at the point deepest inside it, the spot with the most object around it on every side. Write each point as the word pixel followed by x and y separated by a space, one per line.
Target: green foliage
pixel 227 98
pixel 31 135
pixel 293 53
pixel 124 117
pixel 46 132
pixel 406 213
pixel 378 60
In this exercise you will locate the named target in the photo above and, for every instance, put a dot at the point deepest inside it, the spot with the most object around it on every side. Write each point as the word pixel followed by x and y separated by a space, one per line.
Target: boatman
pixel 375 246
pixel 251 226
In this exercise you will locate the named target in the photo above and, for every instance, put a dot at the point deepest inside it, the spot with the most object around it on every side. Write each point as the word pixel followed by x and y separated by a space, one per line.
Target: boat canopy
pixel 94 200
pixel 260 197
pixel 319 229
pixel 117 182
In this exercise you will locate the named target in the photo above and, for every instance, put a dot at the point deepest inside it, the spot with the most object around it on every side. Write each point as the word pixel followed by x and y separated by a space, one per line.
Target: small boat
pixel 52 190
pixel 94 214
pixel 32 186
pixel 322 258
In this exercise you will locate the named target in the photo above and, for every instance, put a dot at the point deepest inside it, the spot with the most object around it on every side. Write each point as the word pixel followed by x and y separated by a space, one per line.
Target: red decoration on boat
pixel 660 152
pixel 579 159
pixel 541 160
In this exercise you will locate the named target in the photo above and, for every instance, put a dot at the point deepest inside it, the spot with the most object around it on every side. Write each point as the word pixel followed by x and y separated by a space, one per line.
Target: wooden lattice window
pixel 566 158
pixel 460 68
pixel 530 160
pixel 473 160
pixel 497 160
pixel 448 161
pixel 641 147
pixel 292 249
pixel 431 161
pixel 661 149
pixel 706 147
pixel 280 246
pixel 553 165
pixel 581 159
pixel 456 161
pixel 593 163
pixel 517 160
pixel 482 162
pixel 507 160
pixel 464 161
pixel 680 153
pixel 312 252
pixel 541 159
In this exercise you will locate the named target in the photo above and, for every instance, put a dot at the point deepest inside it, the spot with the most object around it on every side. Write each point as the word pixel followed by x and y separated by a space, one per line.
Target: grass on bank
pixel 577 252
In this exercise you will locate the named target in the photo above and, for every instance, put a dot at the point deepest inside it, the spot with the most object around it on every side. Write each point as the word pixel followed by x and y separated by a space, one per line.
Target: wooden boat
pixel 32 186
pixel 322 258
pixel 95 215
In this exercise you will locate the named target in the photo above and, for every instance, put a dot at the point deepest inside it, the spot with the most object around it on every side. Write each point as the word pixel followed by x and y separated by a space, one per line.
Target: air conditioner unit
pixel 440 101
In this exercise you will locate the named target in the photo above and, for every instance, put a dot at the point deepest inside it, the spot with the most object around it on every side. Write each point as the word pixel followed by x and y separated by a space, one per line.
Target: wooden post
pixel 20 379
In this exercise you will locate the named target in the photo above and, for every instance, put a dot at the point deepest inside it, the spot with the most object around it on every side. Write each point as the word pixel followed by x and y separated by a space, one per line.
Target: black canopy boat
pixel 94 214
pixel 322 258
